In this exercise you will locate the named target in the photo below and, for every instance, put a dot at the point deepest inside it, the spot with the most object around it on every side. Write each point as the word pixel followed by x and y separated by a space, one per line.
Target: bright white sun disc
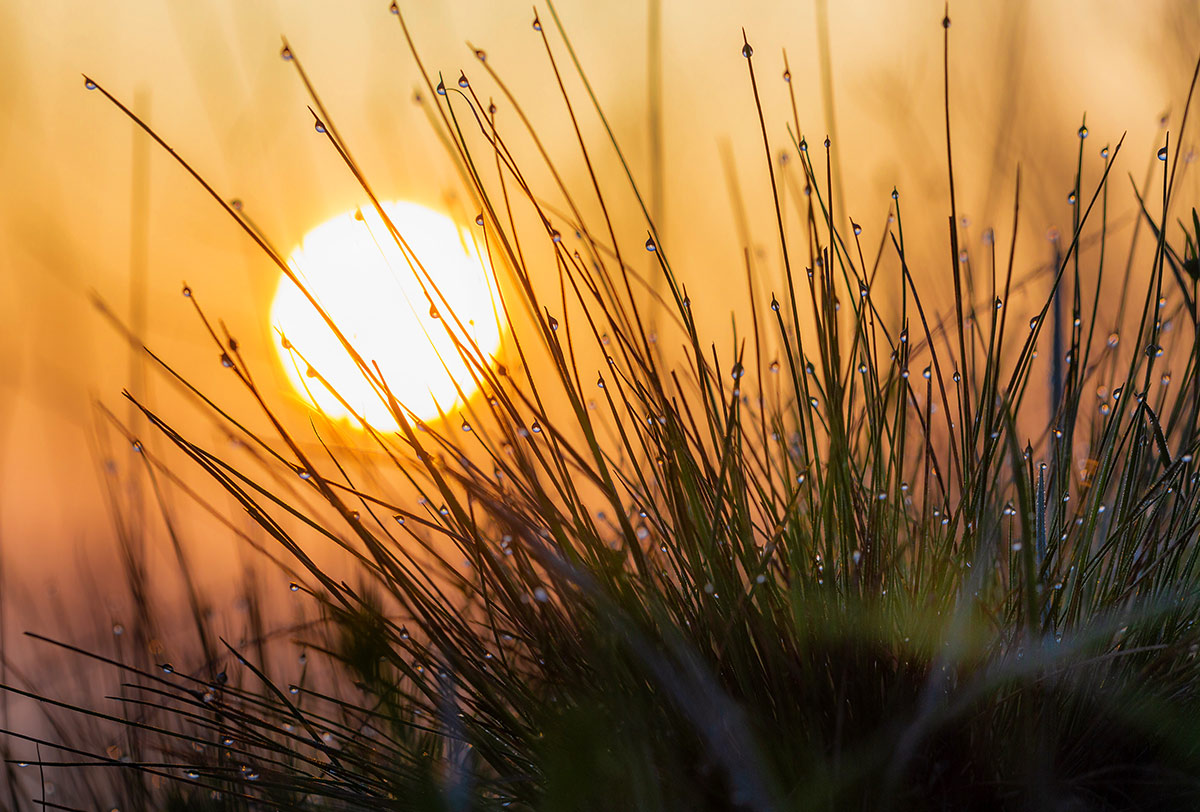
pixel 363 279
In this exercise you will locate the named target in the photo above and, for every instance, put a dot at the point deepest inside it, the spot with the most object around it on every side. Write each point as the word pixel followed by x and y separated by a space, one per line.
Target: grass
pixel 850 561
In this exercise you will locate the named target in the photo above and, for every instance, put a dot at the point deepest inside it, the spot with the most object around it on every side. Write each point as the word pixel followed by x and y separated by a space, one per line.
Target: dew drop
pixel 89 84
pixel 1114 339
pixel 747 51
pixel 462 80
pixel 187 292
pixel 479 219
pixel 286 54
pixel 650 244
pixel 319 127
pixel 481 55
pixel 1083 132
pixel 1162 153
pixel 787 76
pixel 537 23
pixel 441 88
pixel 1071 198
pixel 857 228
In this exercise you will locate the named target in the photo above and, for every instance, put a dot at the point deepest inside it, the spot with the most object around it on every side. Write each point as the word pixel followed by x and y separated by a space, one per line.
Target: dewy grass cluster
pixel 851 561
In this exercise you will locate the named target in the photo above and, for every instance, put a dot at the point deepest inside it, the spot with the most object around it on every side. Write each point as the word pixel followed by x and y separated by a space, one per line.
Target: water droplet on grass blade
pixel 1162 153
pixel 462 80
pixel 747 51
pixel 89 84
pixel 650 244
pixel 319 127
pixel 537 24
pixel 441 88
pixel 285 54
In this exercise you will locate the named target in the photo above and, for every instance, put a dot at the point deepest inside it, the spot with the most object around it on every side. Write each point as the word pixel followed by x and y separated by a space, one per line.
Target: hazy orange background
pixel 209 78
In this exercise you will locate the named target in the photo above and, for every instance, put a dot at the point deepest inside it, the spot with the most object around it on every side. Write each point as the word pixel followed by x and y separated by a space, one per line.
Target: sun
pixel 373 291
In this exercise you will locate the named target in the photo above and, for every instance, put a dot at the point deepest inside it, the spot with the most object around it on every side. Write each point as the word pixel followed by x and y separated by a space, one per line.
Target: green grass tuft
pixel 852 561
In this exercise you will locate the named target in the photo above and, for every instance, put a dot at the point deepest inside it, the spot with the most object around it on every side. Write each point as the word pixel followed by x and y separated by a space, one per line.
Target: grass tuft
pixel 868 556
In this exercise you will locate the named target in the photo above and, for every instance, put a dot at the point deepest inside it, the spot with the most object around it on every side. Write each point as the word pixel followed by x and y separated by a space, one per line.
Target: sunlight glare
pixel 360 275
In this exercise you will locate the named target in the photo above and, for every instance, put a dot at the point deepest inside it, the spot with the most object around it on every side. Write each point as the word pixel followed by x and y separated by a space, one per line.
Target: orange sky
pixel 209 78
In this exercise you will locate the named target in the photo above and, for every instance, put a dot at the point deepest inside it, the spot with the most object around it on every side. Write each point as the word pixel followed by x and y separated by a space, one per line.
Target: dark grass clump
pixel 850 562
